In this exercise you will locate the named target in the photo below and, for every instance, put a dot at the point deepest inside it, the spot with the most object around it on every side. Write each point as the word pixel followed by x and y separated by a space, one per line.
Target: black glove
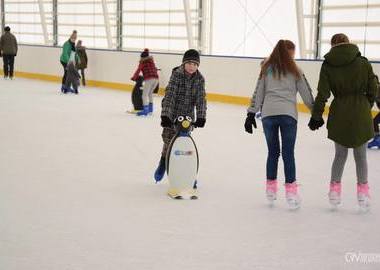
pixel 166 122
pixel 200 123
pixel 315 124
pixel 249 122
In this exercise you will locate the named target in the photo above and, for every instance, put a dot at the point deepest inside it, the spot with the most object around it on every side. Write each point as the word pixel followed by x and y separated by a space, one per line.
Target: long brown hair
pixel 280 61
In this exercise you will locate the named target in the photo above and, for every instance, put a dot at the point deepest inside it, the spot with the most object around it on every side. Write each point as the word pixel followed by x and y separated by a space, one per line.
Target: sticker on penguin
pixel 182 161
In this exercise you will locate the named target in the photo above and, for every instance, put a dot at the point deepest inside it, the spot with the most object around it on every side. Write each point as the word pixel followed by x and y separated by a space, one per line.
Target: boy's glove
pixel 199 123
pixel 249 122
pixel 166 122
pixel 315 124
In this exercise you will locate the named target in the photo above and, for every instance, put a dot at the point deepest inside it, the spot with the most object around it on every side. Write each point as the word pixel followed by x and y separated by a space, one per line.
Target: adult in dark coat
pixel 349 77
pixel 82 60
pixel 8 49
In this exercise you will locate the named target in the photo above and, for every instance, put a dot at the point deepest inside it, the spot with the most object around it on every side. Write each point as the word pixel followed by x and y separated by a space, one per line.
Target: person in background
pixel 149 71
pixel 375 143
pixel 8 49
pixel 349 77
pixel 72 75
pixel 68 47
pixel 276 97
pixel 82 60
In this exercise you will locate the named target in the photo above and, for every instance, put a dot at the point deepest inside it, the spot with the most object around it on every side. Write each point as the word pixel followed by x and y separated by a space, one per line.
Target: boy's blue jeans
pixel 287 126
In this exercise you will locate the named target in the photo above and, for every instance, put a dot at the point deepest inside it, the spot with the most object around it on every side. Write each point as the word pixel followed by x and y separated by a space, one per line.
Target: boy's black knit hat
pixel 145 53
pixel 191 56
pixel 7 29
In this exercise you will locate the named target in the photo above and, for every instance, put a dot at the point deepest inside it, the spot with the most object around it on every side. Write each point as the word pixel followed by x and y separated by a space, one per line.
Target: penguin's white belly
pixel 183 164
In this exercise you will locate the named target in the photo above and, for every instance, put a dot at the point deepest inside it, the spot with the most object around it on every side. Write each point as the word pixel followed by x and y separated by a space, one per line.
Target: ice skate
pixel 292 197
pixel 160 171
pixel 271 191
pixel 150 108
pixel 363 197
pixel 334 194
pixel 144 112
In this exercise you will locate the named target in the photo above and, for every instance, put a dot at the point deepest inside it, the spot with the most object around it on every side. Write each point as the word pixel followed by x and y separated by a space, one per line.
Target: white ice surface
pixel 77 192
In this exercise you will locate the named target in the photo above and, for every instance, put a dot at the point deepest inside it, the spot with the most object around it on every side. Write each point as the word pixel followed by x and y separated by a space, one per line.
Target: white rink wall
pixel 235 76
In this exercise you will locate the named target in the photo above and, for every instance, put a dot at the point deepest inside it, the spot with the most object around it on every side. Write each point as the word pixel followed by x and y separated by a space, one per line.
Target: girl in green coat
pixel 349 77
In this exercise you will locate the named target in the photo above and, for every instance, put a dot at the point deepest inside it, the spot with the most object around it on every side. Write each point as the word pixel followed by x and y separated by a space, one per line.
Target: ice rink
pixel 77 192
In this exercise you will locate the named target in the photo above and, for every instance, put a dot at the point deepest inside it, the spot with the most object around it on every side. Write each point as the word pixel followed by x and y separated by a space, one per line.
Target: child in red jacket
pixel 149 71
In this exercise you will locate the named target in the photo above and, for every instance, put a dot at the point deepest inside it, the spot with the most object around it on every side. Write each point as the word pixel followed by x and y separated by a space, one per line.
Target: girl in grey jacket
pixel 276 97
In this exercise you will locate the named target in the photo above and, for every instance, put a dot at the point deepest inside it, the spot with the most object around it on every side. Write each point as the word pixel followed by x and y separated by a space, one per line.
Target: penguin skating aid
pixel 182 161
pixel 136 96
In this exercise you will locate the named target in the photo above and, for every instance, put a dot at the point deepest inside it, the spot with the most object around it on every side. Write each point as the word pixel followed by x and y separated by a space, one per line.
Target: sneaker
pixel 363 197
pixel 271 190
pixel 292 197
pixel 160 171
pixel 334 193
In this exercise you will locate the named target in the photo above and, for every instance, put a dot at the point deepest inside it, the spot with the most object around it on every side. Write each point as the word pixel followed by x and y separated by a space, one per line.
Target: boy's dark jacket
pixel 8 44
pixel 184 93
pixel 349 77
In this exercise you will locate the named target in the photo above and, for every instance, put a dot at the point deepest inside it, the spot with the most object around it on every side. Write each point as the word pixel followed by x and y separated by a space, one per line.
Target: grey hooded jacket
pixel 275 96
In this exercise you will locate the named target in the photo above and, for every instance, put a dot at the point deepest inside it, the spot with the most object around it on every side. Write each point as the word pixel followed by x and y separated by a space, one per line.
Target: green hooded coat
pixel 349 77
pixel 68 46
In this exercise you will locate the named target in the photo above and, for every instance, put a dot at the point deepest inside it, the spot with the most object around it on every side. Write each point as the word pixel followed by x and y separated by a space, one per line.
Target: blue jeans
pixel 287 125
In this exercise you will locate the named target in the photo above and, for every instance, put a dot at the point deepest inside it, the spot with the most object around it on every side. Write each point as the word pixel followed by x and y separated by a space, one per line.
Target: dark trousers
pixel 167 135
pixel 74 84
pixel 8 61
pixel 376 122
pixel 64 73
pixel 287 126
pixel 83 78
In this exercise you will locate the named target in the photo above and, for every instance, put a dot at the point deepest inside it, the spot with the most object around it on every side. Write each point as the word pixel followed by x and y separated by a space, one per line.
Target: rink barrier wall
pixel 229 79
pixel 128 87
pixel 244 101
